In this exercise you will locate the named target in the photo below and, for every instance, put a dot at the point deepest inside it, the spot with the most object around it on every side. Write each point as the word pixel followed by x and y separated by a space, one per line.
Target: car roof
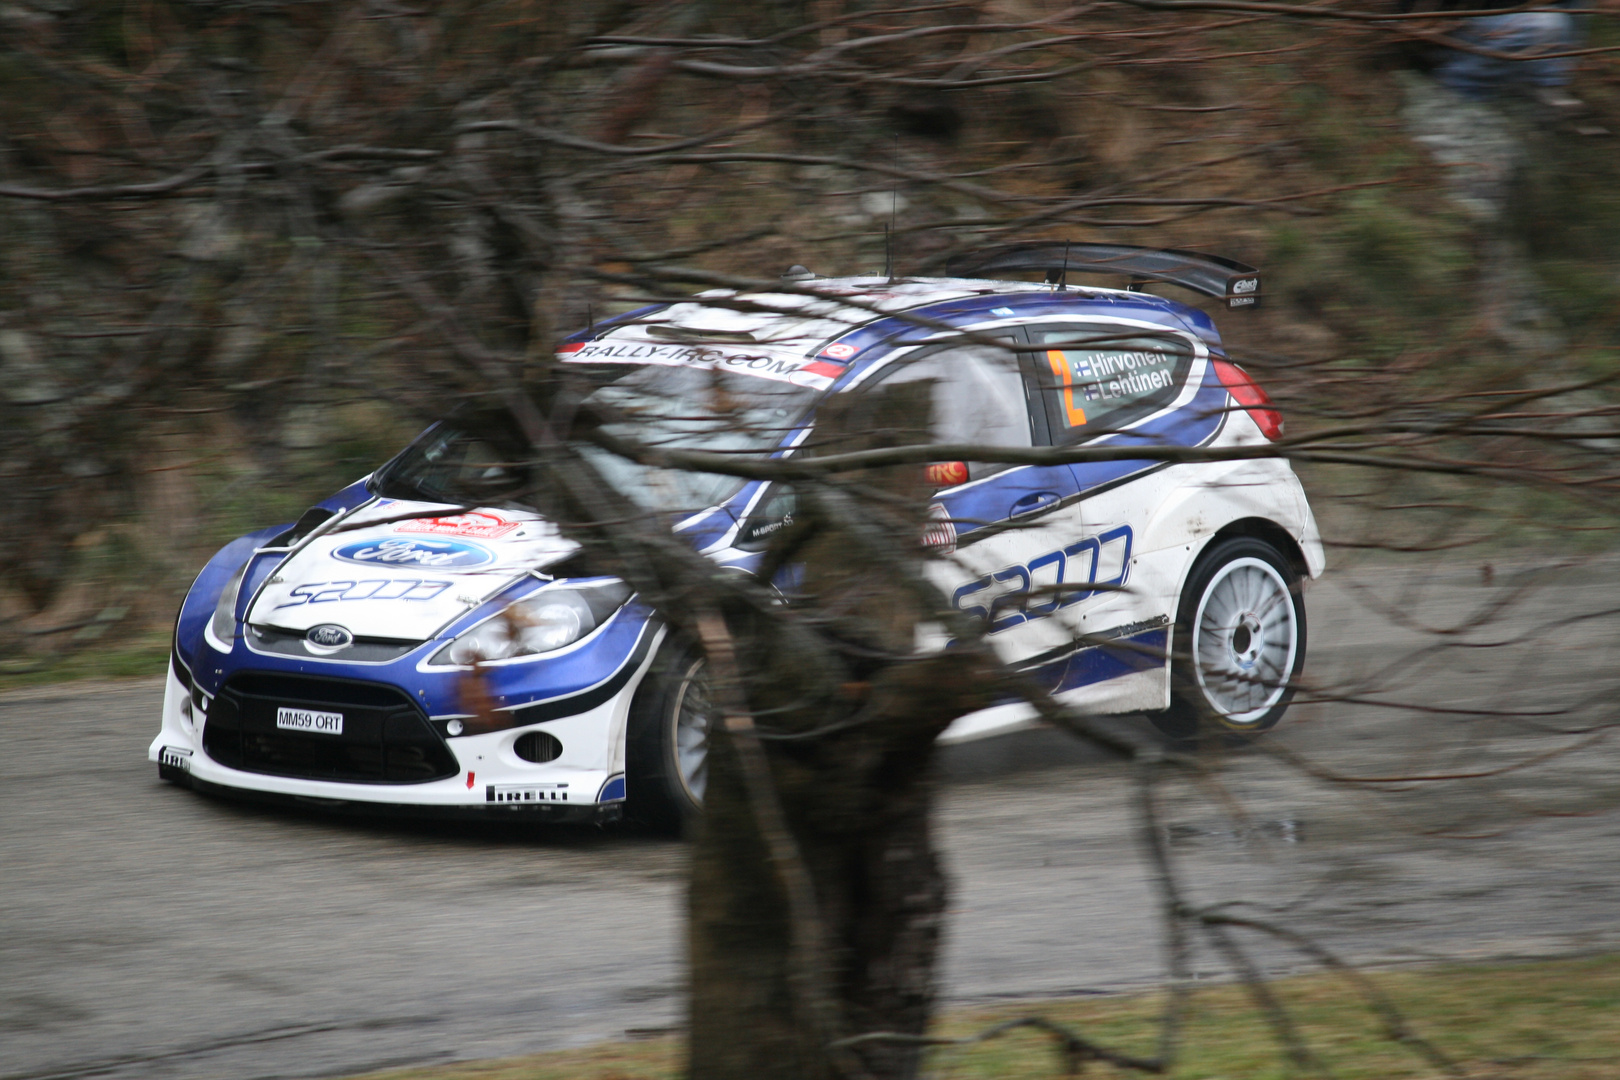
pixel 816 314
pixel 832 326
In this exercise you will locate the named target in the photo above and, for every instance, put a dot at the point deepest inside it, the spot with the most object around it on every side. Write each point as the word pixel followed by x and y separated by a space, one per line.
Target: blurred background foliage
pixel 250 246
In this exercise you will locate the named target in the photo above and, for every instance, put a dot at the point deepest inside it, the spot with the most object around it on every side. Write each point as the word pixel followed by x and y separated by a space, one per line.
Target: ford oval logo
pixel 398 551
pixel 329 635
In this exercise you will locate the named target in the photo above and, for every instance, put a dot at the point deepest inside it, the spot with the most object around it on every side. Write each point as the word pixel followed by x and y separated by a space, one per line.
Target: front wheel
pixel 667 752
pixel 1239 642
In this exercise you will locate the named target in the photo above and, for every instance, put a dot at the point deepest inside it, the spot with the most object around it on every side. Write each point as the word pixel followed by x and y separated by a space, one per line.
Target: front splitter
pixel 592 814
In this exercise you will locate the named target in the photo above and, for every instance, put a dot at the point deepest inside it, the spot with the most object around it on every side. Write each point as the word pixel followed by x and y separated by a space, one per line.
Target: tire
pixel 667 750
pixel 1239 643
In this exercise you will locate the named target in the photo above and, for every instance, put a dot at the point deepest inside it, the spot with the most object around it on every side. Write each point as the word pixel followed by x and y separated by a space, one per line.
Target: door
pixel 1002 533
pixel 1111 384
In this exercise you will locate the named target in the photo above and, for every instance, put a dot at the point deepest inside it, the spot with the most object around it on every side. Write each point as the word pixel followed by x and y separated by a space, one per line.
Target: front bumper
pixel 584 783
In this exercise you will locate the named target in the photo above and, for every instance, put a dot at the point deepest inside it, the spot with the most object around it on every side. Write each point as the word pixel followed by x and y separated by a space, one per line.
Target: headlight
pixel 223 626
pixel 542 623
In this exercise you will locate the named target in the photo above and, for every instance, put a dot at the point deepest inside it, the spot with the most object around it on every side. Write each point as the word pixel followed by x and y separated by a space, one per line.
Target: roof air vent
pixel 797 273
pixel 699 335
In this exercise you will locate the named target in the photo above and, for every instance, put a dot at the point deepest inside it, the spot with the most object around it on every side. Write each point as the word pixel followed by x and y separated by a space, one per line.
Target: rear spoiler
pixel 1224 279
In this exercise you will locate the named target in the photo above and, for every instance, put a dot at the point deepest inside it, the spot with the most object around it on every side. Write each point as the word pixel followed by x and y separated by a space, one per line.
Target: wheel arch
pixel 1269 531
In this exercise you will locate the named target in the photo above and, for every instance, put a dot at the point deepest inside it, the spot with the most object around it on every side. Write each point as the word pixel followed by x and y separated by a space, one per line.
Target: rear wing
pixel 1225 279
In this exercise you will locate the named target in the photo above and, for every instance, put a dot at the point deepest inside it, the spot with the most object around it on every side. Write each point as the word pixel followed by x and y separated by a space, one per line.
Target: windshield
pixel 452 464
pixel 468 462
pixel 689 408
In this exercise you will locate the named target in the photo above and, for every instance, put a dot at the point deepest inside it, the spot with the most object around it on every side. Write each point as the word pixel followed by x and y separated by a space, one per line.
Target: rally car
pixel 329 661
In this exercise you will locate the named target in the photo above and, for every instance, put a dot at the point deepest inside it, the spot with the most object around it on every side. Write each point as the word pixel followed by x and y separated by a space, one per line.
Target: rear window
pixel 1096 380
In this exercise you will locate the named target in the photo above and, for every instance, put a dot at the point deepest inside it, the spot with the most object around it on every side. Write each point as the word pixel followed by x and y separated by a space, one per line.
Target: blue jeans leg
pixel 1524 33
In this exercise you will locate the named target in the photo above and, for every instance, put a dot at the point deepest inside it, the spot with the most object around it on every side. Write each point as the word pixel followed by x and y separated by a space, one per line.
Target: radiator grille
pixel 385 738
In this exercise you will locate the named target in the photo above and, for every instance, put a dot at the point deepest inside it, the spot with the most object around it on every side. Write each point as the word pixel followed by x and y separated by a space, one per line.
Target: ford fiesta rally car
pixel 324 661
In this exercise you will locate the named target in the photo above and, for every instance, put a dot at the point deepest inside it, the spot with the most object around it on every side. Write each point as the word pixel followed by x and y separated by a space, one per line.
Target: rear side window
pixel 1095 380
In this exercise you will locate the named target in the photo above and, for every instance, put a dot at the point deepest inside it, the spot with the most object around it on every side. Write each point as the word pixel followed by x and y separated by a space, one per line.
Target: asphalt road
pixel 149 932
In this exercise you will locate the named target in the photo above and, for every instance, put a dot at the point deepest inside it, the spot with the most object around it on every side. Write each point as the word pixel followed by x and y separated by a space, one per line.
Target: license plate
pixel 322 723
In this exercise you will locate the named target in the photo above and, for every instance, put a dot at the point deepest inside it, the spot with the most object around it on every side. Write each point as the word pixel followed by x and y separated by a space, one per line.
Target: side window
pixel 978 397
pixel 1095 380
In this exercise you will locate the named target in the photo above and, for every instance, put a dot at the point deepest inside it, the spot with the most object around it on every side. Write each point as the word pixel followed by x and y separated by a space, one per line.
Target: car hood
pixel 402 570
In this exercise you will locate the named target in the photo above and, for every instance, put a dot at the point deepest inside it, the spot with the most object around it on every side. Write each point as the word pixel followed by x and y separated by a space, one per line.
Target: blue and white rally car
pixel 332 661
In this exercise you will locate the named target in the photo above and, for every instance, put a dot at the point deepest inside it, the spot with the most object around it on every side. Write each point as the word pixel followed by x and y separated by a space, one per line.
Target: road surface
pixel 149 932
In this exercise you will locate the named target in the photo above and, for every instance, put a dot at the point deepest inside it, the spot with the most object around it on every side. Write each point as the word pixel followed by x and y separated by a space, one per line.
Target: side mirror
pixel 944 474
pixel 774 513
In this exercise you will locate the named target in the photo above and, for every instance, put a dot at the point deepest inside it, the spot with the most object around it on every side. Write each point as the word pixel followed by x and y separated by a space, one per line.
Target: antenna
pixel 894 200
pixel 1063 279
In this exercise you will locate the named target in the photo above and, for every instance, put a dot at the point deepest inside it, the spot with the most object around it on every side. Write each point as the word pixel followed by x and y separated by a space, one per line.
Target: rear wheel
pixel 1239 642
pixel 668 748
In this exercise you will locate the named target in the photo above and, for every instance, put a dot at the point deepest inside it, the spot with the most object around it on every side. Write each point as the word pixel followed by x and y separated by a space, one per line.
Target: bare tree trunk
pixel 856 801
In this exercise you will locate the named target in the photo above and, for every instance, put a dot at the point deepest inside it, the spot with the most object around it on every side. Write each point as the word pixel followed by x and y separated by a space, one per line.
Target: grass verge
pixel 1531 1021
pixel 144 656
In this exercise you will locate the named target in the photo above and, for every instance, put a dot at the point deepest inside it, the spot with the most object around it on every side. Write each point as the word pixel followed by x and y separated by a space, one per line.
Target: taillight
pixel 1247 393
